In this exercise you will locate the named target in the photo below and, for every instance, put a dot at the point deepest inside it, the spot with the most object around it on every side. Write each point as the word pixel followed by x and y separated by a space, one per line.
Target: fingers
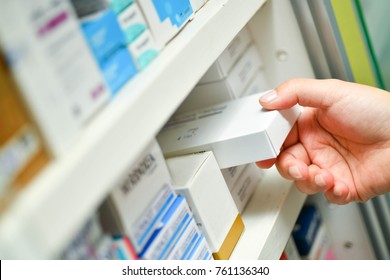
pixel 294 164
pixel 338 194
pixel 306 92
pixel 265 164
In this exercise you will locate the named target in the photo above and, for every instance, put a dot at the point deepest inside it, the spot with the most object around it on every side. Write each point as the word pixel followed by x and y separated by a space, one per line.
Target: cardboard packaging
pixel 132 22
pixel 238 132
pixel 170 228
pixel 201 250
pixel 136 206
pixel 258 83
pixel 186 242
pixel 108 44
pixel 143 50
pixel 232 174
pixel 198 178
pixel 220 69
pixel 165 18
pixel 306 228
pixel 139 39
pixel 229 88
pixel 245 186
pixel 124 250
pixel 119 5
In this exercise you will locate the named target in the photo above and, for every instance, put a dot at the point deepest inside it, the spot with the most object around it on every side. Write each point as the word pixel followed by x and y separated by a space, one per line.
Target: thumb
pixel 306 92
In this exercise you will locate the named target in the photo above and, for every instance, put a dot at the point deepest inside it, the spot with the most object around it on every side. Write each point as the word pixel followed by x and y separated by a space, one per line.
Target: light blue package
pixel 117 69
pixel 103 34
pixel 172 224
pixel 178 11
pixel 107 42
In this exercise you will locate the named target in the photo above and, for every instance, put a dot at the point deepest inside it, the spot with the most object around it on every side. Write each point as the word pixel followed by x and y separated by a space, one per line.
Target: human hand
pixel 340 143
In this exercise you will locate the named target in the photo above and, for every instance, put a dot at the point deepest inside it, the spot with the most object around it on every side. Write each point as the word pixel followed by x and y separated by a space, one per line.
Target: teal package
pixel 133 32
pixel 146 58
pixel 119 5
pixel 178 11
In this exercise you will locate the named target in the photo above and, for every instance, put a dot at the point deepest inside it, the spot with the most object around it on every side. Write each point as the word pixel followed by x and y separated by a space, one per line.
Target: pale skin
pixel 340 144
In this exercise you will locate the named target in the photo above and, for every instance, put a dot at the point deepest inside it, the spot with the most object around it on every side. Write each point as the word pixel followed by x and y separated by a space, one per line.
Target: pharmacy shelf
pixel 45 216
pixel 269 218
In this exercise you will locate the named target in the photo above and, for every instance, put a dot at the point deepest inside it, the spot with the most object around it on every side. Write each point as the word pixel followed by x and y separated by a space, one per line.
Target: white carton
pixel 224 63
pixel 143 50
pixel 232 174
pixel 132 22
pixel 229 88
pixel 198 178
pixel 136 207
pixel 257 84
pixel 238 132
pixel 245 186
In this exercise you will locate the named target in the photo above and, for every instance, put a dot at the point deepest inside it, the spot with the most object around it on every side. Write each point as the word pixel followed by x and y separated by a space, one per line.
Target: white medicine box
pixel 238 132
pixel 229 88
pixel 198 178
pixel 224 63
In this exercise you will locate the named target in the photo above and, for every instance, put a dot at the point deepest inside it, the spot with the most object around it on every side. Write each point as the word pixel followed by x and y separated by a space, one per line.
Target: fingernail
pixel 337 192
pixel 268 97
pixel 319 180
pixel 294 172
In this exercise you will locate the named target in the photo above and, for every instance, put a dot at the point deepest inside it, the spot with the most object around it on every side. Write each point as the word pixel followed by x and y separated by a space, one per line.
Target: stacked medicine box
pixel 107 42
pixel 53 54
pixel 238 132
pixel 145 207
pixel 77 53
pixel 139 40
pixel 198 178
pixel 237 72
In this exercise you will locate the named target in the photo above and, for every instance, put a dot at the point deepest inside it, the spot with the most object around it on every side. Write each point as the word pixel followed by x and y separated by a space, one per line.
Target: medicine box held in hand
pixel 238 132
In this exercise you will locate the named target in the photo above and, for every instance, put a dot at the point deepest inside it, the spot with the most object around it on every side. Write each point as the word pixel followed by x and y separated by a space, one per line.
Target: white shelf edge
pixel 269 218
pixel 50 210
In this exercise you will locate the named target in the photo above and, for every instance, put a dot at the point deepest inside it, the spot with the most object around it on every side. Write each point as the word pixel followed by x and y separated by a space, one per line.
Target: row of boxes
pixel 237 72
pixel 61 63
pixel 176 208
pixel 222 115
